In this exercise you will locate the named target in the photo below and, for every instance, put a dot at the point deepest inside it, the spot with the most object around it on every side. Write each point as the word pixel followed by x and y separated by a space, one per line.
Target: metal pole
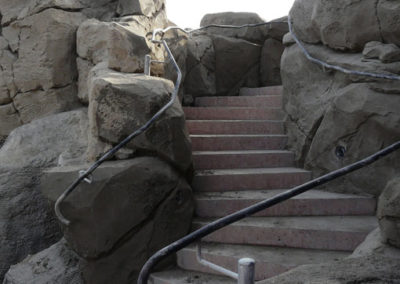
pixel 147 63
pixel 246 271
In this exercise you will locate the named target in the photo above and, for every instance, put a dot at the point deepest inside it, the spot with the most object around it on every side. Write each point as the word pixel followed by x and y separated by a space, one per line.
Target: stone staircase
pixel 239 157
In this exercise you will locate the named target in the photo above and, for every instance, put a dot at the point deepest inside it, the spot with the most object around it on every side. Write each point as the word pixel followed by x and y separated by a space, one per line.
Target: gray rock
pixel 200 64
pixel 133 207
pixel 92 40
pixel 388 11
pixel 51 62
pixel 257 34
pixel 57 264
pixel 40 143
pixel 389 213
pixel 84 67
pixel 111 121
pixel 37 104
pixel 342 25
pixel 270 63
pixel 386 53
pixel 330 112
pixel 27 224
pixel 146 8
pixel 237 64
pixel 9 119
pixel 7 86
pixel 288 40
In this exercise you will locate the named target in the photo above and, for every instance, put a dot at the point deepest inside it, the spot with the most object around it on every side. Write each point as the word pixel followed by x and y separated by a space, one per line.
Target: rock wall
pixel 70 90
pixel 333 118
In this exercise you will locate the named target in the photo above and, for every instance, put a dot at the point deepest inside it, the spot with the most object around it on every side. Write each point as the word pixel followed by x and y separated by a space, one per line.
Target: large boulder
pixel 237 64
pixel 111 120
pixel 389 213
pixel 133 207
pixel 346 24
pixel 57 264
pixel 146 8
pixel 9 119
pixel 270 62
pixel 336 119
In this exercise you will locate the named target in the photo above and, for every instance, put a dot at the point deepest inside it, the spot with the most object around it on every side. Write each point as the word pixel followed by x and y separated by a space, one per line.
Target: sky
pixel 188 13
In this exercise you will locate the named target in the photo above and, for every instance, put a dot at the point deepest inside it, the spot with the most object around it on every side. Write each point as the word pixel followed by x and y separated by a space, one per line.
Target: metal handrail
pixel 86 175
pixel 225 221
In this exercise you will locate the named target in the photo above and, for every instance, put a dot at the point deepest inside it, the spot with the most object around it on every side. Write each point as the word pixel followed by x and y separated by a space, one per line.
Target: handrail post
pixel 246 271
pixel 147 63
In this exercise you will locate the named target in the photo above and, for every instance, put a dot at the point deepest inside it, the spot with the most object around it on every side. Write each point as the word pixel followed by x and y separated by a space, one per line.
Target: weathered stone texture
pixel 270 62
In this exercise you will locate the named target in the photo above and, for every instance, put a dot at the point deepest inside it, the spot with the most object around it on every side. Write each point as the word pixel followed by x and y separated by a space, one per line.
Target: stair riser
pixel 232 161
pixel 237 143
pixel 260 101
pixel 293 207
pixel 187 260
pixel 233 127
pixel 233 113
pixel 266 91
pixel 294 238
pixel 249 181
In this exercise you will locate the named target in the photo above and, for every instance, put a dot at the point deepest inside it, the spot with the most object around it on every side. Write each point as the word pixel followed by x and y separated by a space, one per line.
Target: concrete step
pixel 242 159
pixel 270 261
pixel 179 276
pixel 311 203
pixel 327 233
pixel 235 126
pixel 274 101
pixel 263 91
pixel 241 113
pixel 249 179
pixel 237 142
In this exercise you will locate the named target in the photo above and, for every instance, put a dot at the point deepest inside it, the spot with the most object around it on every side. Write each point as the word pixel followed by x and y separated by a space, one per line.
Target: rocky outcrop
pixel 154 199
pixel 335 119
pixel 389 213
pixel 28 224
pixel 57 264
pixel 270 62
pixel 346 24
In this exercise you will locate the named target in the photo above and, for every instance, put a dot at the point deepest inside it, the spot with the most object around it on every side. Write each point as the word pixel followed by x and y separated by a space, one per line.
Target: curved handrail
pixel 86 174
pixel 222 222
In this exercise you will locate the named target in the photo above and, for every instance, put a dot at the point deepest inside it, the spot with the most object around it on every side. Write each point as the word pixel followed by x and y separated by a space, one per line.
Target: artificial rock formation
pixel 335 119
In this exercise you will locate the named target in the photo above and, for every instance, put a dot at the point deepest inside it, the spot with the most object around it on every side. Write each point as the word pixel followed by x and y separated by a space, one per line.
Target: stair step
pixel 249 179
pixel 237 142
pixel 242 113
pixel 270 261
pixel 179 276
pixel 235 126
pixel 327 233
pixel 274 101
pixel 263 91
pixel 242 159
pixel 311 203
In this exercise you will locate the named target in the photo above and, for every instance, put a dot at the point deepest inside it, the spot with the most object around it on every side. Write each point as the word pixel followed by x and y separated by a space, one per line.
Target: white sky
pixel 188 13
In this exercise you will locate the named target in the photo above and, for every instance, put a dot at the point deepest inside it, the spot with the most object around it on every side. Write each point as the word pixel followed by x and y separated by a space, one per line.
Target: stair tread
pixel 179 276
pixel 238 135
pixel 285 256
pixel 364 224
pixel 249 171
pixel 237 97
pixel 235 120
pixel 265 194
pixel 239 152
pixel 232 108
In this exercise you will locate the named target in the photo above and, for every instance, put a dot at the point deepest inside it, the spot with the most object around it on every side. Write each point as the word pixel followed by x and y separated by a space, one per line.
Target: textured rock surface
pixel 156 204
pixel 9 119
pixel 237 64
pixel 57 264
pixel 389 213
pixel 270 62
pixel 346 24
pixel 329 112
pixel 386 53
pixel 146 8
pixel 111 120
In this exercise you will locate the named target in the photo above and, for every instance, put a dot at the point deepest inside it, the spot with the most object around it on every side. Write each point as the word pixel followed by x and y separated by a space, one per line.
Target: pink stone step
pixel 327 233
pixel 311 203
pixel 237 142
pixel 240 113
pixel 242 159
pixel 179 276
pixel 274 101
pixel 270 261
pixel 234 126
pixel 249 179
pixel 263 91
